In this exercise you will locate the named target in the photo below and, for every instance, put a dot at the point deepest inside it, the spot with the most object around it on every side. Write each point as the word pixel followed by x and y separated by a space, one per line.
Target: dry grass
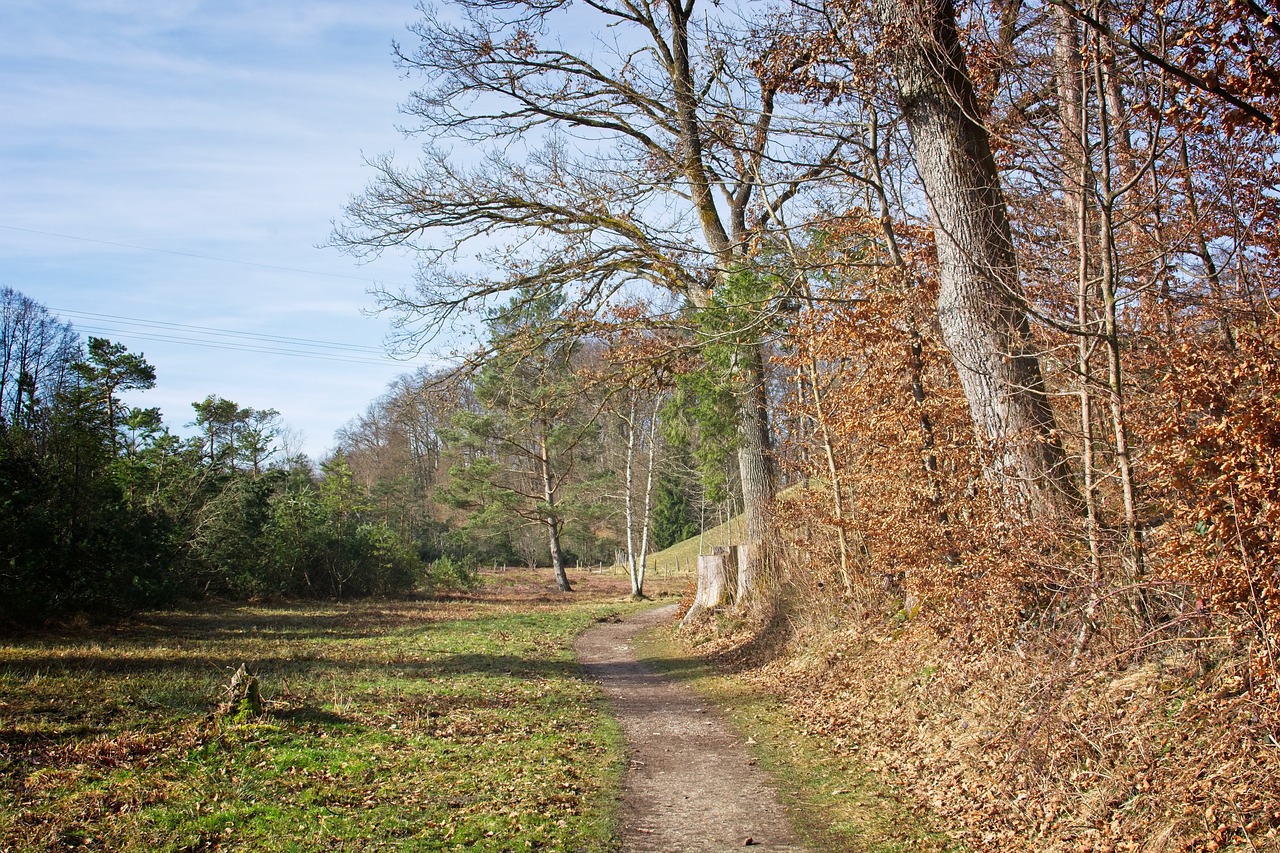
pixel 1013 750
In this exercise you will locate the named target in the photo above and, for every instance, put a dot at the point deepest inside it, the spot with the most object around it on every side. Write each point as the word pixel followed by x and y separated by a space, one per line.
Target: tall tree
pixel 524 444
pixel 217 418
pixel 981 307
pixel 655 154
pixel 108 369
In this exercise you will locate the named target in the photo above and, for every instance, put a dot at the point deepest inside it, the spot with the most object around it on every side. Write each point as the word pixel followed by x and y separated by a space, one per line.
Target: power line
pixel 189 254
pixel 209 337
pixel 226 345
pixel 210 330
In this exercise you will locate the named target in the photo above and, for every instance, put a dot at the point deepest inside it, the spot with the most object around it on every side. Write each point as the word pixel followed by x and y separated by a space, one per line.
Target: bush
pixel 451 573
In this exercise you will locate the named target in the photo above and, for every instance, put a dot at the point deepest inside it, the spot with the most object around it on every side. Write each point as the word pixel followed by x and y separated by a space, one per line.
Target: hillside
pixel 682 557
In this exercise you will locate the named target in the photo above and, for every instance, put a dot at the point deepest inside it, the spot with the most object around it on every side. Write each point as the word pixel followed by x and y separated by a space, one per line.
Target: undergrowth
pixel 1155 748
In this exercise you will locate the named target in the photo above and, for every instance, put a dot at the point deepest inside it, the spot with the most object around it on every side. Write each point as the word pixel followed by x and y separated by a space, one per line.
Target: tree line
pixel 536 456
pixel 105 510
pixel 555 446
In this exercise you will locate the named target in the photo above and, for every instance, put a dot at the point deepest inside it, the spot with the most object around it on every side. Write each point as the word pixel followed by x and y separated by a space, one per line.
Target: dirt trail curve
pixel 691 786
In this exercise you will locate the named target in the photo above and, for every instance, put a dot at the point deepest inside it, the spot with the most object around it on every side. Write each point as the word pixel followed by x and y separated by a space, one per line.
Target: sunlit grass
pixel 682 557
pixel 389 726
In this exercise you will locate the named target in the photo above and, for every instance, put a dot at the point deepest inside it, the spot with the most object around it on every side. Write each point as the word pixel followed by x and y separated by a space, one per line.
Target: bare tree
pixel 638 154
pixel 36 352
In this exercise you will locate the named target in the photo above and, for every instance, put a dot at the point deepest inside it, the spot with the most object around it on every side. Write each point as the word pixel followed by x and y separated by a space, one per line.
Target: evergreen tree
pixel 522 449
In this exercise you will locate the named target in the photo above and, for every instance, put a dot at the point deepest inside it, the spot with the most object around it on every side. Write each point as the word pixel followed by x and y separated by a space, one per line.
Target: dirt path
pixel 691 786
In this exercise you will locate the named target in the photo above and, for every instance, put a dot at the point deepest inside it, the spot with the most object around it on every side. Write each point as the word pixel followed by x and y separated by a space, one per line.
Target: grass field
pixel 446 725
pixel 682 558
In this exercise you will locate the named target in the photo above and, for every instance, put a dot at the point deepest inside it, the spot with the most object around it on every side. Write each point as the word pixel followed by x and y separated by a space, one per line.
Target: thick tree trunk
pixel 755 460
pixel 755 470
pixel 980 303
pixel 557 554
pixel 716 582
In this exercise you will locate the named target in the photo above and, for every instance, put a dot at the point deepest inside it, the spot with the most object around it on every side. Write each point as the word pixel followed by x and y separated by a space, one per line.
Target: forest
pixel 108 510
pixel 968 309
pixel 966 306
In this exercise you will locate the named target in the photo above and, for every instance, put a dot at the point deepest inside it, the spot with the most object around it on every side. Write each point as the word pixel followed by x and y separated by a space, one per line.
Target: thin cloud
pixel 232 130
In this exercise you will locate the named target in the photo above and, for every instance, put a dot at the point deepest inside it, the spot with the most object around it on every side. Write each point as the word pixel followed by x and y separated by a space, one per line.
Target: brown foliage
pixel 1016 751
pixel 926 523
pixel 1213 459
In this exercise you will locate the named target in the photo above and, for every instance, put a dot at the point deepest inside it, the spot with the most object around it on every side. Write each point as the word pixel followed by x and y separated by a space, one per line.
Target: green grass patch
pixel 682 557
pixel 389 726
pixel 835 803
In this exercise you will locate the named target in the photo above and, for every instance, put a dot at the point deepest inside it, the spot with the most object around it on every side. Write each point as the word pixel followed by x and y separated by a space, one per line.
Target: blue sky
pixel 206 130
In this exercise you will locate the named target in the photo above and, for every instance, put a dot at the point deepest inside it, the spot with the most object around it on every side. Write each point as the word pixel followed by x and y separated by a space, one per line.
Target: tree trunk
pixel 1110 279
pixel 550 518
pixel 1202 250
pixel 833 474
pixel 628 497
pixel 1085 344
pixel 637 583
pixel 755 461
pixel 716 582
pixel 755 469
pixel 980 302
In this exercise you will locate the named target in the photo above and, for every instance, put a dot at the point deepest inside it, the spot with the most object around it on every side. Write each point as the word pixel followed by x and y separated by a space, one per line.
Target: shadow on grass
pixel 177 666
pixel 53 664
pixel 206 644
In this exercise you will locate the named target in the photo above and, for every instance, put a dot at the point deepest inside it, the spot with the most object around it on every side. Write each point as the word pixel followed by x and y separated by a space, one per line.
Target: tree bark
pixel 755 458
pixel 716 582
pixel 551 519
pixel 980 303
pixel 637 584
pixel 755 470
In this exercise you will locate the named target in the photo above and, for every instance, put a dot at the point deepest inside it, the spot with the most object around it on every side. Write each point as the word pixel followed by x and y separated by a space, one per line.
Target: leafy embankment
pixel 407 725
pixel 1010 746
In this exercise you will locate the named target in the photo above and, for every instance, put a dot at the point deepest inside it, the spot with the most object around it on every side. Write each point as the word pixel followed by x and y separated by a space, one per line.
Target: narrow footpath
pixel 691 786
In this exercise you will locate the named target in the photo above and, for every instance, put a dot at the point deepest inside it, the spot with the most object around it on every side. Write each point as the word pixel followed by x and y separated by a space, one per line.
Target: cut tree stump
pixel 717 582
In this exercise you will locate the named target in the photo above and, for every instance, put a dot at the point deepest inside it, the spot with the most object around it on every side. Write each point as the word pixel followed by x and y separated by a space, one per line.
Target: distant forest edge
pixel 105 510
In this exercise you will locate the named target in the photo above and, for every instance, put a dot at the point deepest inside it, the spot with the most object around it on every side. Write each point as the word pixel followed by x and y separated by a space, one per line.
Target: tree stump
pixel 244 697
pixel 717 582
